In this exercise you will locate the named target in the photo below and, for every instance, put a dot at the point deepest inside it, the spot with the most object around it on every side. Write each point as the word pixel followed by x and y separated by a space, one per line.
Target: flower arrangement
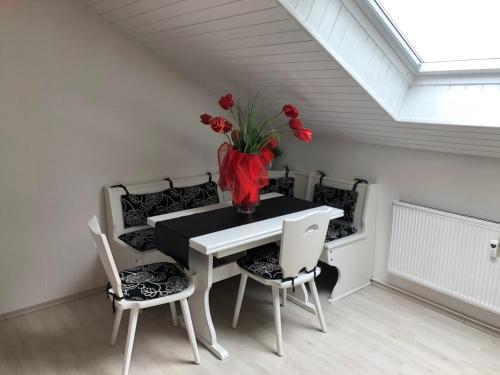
pixel 251 144
pixel 250 135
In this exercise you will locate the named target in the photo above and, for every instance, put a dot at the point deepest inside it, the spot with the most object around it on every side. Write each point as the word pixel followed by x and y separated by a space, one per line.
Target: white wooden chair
pixel 302 242
pixel 140 287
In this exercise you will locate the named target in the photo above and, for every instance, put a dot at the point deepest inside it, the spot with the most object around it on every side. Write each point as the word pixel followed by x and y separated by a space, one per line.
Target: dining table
pixel 201 238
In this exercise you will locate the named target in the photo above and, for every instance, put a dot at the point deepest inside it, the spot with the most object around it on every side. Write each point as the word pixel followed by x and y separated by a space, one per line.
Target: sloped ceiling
pixel 276 48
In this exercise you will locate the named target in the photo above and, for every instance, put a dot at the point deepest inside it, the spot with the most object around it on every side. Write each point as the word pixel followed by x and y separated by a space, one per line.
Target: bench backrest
pixel 281 183
pixel 344 193
pixel 277 177
pixel 139 206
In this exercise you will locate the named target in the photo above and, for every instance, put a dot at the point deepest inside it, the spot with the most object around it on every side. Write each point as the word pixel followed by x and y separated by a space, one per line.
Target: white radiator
pixel 447 252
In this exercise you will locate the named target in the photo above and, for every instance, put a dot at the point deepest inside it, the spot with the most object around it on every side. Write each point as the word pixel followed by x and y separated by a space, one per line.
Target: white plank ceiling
pixel 259 46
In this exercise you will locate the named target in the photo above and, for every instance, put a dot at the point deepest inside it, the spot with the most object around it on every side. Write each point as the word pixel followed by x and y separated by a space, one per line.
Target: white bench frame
pixel 114 215
pixel 351 255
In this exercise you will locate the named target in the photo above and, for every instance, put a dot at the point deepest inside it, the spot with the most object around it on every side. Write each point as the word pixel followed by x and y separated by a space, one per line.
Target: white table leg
pixel 199 304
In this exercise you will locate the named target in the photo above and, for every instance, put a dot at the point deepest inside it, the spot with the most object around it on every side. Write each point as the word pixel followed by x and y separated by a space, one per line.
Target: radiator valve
pixel 494 248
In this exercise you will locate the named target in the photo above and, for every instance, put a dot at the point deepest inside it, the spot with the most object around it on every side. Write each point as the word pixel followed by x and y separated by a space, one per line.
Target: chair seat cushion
pixel 142 240
pixel 263 261
pixel 151 281
pixel 338 230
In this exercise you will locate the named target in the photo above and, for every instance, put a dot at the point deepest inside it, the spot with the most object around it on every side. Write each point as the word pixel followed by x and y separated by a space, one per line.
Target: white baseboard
pixel 439 308
pixel 46 305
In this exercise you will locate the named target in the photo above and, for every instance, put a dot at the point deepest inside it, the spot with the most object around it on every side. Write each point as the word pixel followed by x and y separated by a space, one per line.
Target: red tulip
pixel 295 123
pixel 290 111
pixel 304 134
pixel 272 143
pixel 226 102
pixel 218 124
pixel 205 119
pixel 227 126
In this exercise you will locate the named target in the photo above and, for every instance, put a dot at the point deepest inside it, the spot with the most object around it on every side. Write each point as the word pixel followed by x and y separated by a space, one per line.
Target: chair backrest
pixel 104 251
pixel 302 242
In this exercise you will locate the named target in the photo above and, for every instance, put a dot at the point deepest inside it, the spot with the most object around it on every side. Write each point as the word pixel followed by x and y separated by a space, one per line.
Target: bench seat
pixel 338 230
pixel 141 240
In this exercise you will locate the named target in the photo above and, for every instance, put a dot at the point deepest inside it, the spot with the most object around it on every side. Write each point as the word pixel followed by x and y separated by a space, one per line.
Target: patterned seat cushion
pixel 338 198
pixel 282 185
pixel 136 208
pixel 339 230
pixel 263 261
pixel 142 240
pixel 151 281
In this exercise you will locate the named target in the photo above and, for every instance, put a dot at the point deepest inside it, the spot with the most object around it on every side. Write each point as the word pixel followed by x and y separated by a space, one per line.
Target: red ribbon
pixel 243 174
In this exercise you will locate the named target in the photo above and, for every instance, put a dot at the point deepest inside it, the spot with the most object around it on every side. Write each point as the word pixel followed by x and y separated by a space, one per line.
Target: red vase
pixel 243 175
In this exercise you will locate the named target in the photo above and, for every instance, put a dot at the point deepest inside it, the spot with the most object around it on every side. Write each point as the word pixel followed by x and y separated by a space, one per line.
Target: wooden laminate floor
pixel 370 332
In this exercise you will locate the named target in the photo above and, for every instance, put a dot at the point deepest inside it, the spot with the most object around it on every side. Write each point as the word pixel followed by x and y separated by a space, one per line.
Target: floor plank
pixel 371 332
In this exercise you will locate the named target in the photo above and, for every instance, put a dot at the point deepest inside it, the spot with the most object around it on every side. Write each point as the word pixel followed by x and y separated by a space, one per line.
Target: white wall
pixel 81 106
pixel 456 182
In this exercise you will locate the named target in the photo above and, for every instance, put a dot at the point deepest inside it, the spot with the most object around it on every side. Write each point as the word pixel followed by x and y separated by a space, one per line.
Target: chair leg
pixel 283 297
pixel 173 310
pixel 277 320
pixel 116 326
pixel 239 299
pixel 190 329
pixel 317 304
pixel 132 324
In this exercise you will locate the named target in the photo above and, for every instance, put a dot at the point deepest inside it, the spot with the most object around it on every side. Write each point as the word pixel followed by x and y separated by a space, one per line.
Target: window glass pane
pixel 448 30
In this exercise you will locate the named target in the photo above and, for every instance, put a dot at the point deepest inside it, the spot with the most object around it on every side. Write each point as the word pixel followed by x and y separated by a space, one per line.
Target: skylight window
pixel 439 31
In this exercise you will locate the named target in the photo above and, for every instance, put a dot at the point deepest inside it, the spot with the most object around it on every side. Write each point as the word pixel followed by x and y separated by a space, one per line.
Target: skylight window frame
pixel 387 27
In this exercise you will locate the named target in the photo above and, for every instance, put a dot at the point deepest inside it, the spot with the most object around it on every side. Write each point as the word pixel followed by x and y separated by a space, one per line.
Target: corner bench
pixel 129 206
pixel 349 245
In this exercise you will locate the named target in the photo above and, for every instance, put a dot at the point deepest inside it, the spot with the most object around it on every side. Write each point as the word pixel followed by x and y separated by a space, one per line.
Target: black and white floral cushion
pixel 339 230
pixel 136 208
pixel 142 240
pixel 263 261
pixel 151 281
pixel 196 195
pixel 282 185
pixel 338 198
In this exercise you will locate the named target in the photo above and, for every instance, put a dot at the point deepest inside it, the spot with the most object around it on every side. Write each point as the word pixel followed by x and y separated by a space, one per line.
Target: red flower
pixel 295 123
pixel 227 126
pixel 226 102
pixel 218 124
pixel 272 143
pixel 304 134
pixel 290 111
pixel 205 119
